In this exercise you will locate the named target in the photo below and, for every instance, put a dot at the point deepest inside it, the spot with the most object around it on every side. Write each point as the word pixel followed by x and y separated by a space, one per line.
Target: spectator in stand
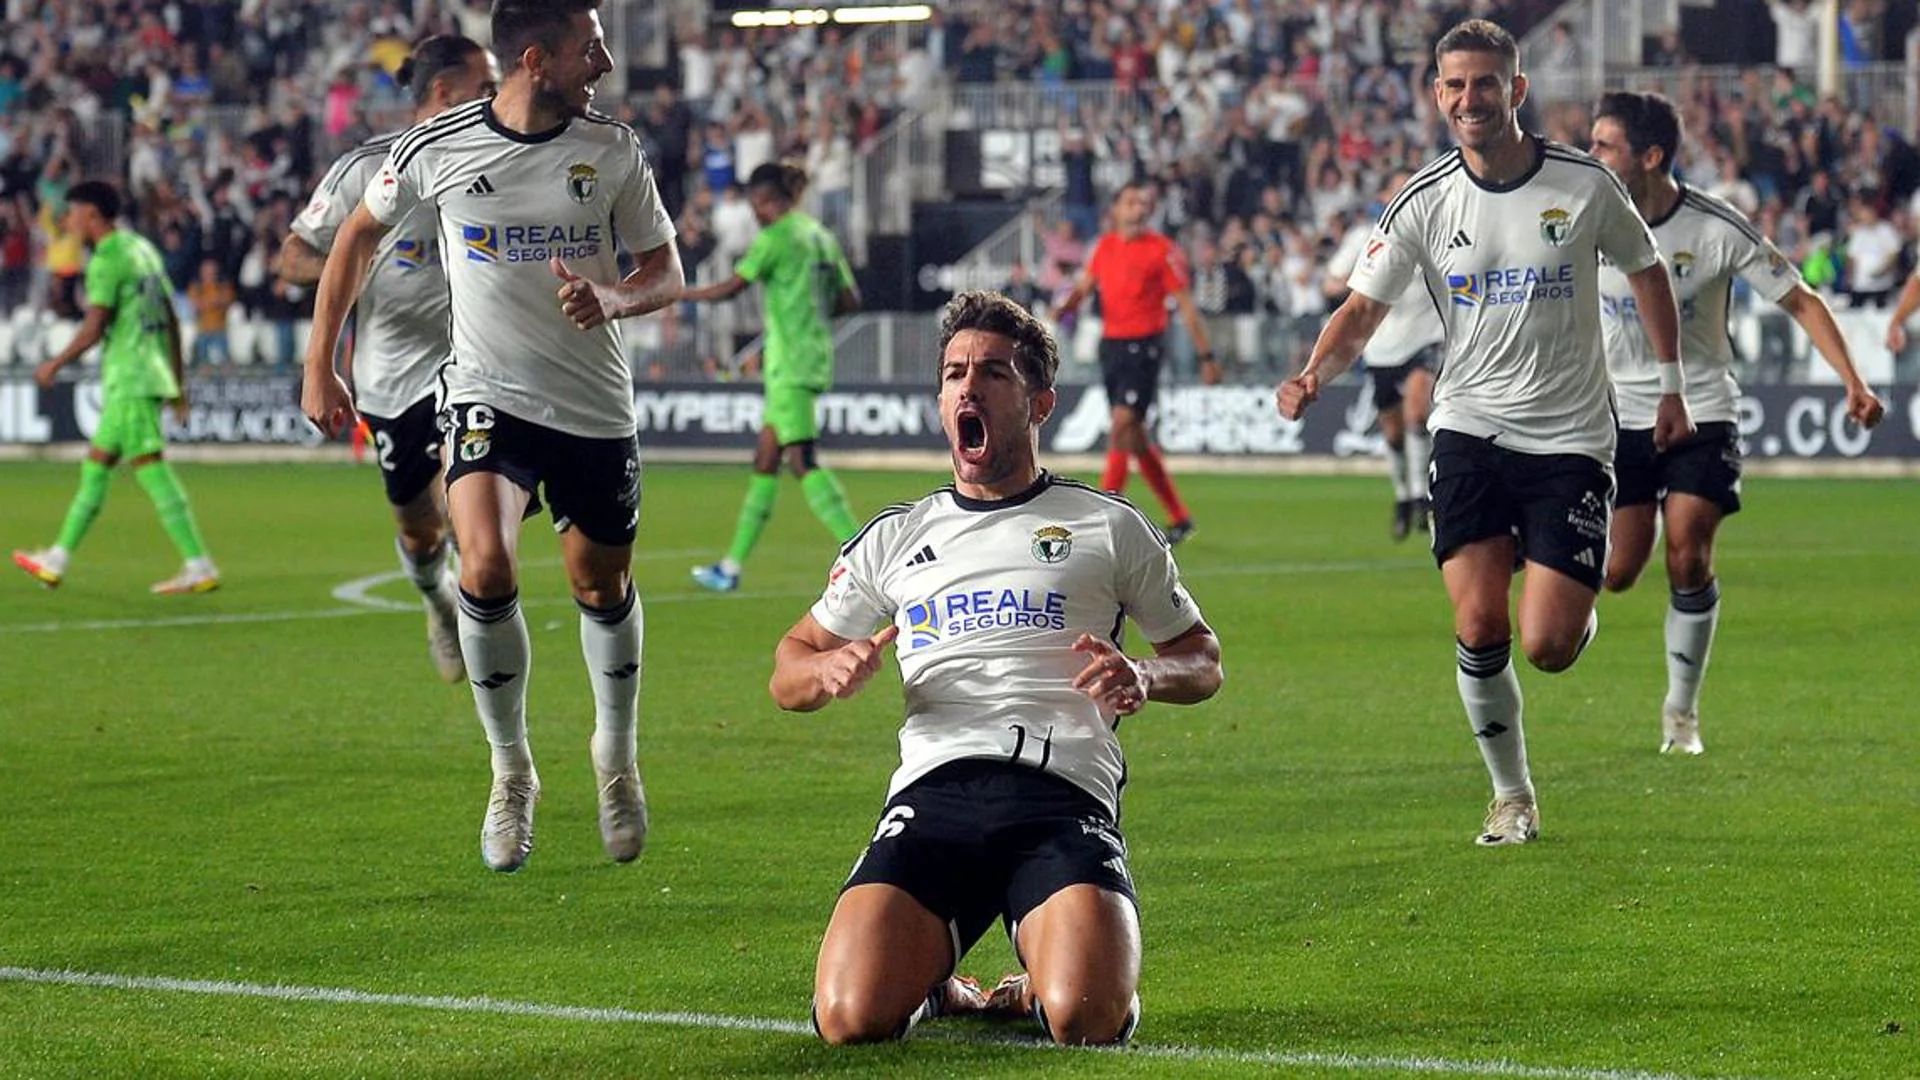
pixel 1872 254
pixel 212 297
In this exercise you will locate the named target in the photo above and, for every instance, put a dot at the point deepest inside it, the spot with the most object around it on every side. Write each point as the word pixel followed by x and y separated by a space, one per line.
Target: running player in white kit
pixel 400 339
pixel 1401 358
pixel 532 192
pixel 1005 595
pixel 1693 484
pixel 1506 233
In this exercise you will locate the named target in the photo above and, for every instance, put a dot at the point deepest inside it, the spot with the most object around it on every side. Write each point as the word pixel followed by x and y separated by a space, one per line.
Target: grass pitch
pixel 265 787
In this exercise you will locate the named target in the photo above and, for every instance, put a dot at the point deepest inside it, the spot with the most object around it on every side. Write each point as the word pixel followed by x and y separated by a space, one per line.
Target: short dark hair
pixel 432 58
pixel 1034 352
pixel 1478 35
pixel 1649 120
pixel 784 178
pixel 518 24
pixel 98 194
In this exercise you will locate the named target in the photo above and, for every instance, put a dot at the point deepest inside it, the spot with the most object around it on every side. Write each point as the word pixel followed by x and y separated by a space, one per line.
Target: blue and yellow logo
pixel 923 623
pixel 409 254
pixel 483 242
pixel 1465 289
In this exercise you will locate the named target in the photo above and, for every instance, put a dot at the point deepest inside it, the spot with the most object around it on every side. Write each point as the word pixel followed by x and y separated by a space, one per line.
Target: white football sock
pixel 493 641
pixel 610 640
pixel 1691 619
pixel 1397 471
pixel 1419 452
pixel 1491 692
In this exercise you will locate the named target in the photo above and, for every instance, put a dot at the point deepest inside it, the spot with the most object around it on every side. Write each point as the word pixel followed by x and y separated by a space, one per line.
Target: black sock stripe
pixel 1485 661
pixel 1699 601
pixel 499 609
pixel 609 616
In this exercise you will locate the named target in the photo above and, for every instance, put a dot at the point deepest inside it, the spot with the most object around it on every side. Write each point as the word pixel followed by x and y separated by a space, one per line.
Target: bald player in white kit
pixel 1005 595
pixel 400 337
pixel 534 194
pixel 1506 232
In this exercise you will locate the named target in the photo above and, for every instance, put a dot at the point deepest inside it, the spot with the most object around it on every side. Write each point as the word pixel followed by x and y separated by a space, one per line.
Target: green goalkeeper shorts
pixel 789 413
pixel 130 428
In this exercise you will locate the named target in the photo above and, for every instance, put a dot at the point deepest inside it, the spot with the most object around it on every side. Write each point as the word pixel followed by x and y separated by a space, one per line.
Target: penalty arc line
pixel 719 1022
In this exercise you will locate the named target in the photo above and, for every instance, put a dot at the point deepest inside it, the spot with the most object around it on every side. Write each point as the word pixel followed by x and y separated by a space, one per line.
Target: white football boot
pixel 623 812
pixel 1680 731
pixel 1510 821
pixel 506 835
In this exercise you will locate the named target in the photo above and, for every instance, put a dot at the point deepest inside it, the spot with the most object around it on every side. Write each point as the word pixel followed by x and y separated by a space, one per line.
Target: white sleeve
pixel 1148 582
pixel 1623 235
pixel 393 193
pixel 853 606
pixel 333 200
pixel 1388 262
pixel 1761 264
pixel 639 216
pixel 1340 264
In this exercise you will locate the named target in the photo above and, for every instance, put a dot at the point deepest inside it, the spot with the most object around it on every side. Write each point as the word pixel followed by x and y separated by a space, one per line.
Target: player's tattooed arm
pixel 1338 346
pixel 812 665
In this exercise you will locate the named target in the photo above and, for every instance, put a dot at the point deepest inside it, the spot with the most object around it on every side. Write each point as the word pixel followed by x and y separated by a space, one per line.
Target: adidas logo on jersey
pixel 482 186
pixel 923 556
pixel 1460 240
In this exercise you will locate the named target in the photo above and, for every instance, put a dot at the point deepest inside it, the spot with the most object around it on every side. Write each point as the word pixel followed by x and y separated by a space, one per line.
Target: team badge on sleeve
pixel 1052 544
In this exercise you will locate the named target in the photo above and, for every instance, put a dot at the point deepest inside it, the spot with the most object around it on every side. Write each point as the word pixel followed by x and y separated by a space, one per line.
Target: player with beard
pixel 1694 484
pixel 1005 595
pixel 532 190
pixel 400 337
pixel 1510 229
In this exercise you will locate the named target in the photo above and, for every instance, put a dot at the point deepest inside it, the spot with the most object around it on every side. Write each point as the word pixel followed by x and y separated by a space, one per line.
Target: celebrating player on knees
pixel 1695 483
pixel 534 187
pixel 1511 228
pixel 1003 596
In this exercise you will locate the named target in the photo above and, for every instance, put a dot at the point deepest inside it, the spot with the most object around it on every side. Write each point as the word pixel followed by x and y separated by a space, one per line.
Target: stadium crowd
pixel 1270 126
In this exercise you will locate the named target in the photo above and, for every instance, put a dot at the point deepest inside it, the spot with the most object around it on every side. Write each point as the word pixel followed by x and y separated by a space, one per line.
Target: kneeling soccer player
pixel 1005 593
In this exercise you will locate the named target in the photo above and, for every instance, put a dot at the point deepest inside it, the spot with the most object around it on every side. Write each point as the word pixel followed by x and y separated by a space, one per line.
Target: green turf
pixel 296 801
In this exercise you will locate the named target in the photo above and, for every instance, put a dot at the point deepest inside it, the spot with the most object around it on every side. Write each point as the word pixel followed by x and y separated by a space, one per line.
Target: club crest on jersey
pixel 475 445
pixel 1682 265
pixel 1556 225
pixel 1052 544
pixel 581 180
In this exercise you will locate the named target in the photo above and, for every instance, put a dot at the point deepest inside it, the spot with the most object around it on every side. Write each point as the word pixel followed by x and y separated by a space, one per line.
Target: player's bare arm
pixel 719 290
pixel 1182 671
pixel 1339 345
pixel 656 281
pixel 323 395
pixel 812 665
pixel 1813 315
pixel 299 263
pixel 1660 314
pixel 1903 310
pixel 93 328
pixel 1197 329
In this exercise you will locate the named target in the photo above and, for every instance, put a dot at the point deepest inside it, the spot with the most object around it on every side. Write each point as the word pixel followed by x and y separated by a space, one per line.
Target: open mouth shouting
pixel 970 442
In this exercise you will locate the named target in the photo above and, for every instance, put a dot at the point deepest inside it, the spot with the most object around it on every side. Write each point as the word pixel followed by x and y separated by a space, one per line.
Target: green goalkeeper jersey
pixel 127 277
pixel 801 270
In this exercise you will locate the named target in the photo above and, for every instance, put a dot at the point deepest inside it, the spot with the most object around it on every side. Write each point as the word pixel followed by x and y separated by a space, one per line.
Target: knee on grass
pixel 1087 1019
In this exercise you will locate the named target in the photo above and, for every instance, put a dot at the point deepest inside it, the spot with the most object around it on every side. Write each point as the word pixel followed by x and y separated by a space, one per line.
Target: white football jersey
pixel 1705 243
pixel 400 332
pixel 989 598
pixel 1514 267
pixel 1412 323
pixel 507 203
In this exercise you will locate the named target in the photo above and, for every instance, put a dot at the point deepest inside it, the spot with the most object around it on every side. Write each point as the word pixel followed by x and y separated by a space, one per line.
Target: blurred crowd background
pixel 1271 127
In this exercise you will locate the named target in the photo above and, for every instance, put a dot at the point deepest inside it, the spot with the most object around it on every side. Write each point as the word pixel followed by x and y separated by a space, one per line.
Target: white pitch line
pixel 716 1022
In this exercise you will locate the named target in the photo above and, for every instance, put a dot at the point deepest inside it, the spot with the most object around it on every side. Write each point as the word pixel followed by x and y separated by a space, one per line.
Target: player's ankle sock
pixel 1690 624
pixel 610 641
pixel 1154 471
pixel 755 509
pixel 493 641
pixel 87 500
pixel 176 516
pixel 1114 477
pixel 828 501
pixel 428 571
pixel 1419 452
pixel 1491 692
pixel 1397 471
